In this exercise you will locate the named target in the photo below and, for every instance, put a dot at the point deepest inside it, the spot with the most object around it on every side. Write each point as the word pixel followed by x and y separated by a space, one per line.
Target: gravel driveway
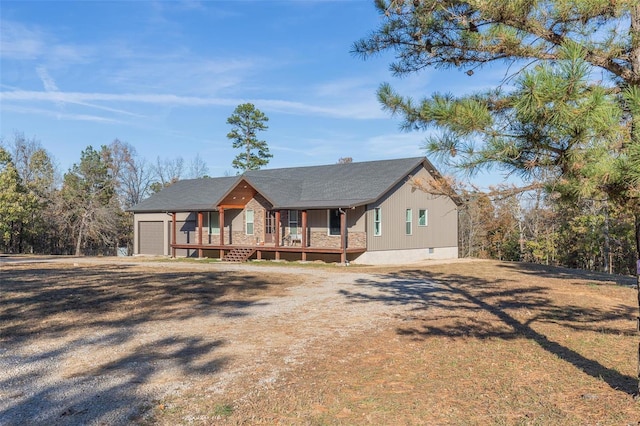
pixel 116 372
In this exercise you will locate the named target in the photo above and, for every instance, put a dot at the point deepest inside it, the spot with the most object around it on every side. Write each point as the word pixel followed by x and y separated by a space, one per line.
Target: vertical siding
pixel 442 228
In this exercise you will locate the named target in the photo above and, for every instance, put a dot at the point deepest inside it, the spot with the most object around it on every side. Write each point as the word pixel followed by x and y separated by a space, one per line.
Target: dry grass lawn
pixel 469 343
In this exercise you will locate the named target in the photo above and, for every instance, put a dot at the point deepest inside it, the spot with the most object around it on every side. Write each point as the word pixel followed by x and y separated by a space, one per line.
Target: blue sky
pixel 165 75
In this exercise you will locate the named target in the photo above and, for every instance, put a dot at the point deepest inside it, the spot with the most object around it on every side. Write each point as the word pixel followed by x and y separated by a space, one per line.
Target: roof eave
pixel 436 174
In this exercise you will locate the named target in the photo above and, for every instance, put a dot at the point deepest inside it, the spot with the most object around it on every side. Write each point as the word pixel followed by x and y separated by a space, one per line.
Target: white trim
pixel 246 222
pixel 379 222
pixel 408 222
pixel 297 222
pixel 211 229
pixel 426 217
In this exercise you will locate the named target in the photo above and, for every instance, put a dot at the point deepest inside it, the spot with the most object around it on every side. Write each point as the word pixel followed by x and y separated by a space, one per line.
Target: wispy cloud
pixel 192 5
pixel 397 145
pixel 58 115
pixel 47 81
pixel 19 41
pixel 22 42
pixel 347 110
pixel 181 72
pixel 345 86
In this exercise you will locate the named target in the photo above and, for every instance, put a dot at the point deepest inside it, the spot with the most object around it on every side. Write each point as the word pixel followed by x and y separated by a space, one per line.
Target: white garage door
pixel 150 238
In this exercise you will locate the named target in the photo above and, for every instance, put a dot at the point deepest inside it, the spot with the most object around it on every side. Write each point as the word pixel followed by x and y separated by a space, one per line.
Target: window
pixel 334 222
pixel 377 221
pixel 423 219
pixel 293 222
pixel 249 217
pixel 409 222
pixel 214 223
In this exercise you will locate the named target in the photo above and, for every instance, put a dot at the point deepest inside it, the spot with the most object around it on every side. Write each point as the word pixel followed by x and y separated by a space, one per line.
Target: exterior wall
pixel 233 222
pixel 395 257
pixel 317 221
pixel 357 220
pixel 357 239
pixel 442 219
pixel 318 224
pixel 238 231
pixel 166 219
pixel 322 239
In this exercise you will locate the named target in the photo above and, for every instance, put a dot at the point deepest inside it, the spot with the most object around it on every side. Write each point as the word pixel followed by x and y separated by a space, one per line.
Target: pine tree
pixel 90 205
pixel 247 120
pixel 16 203
pixel 557 122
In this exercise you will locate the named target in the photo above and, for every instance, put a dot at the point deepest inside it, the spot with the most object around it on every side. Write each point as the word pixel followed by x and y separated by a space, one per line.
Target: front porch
pixel 271 237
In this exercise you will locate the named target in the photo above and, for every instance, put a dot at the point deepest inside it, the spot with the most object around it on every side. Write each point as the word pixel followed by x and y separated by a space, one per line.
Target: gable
pixel 238 196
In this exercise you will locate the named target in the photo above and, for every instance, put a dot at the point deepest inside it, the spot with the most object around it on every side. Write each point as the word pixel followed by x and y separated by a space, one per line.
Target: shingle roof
pixel 331 186
pixel 187 195
pixel 336 185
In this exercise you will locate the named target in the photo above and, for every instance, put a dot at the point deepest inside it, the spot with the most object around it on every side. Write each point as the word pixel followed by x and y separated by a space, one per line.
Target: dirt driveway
pixel 103 343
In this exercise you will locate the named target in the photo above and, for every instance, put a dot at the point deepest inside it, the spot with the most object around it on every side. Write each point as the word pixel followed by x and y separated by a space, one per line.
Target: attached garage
pixel 151 237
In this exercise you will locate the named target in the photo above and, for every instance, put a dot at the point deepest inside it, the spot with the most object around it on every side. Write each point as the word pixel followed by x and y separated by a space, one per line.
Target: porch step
pixel 238 254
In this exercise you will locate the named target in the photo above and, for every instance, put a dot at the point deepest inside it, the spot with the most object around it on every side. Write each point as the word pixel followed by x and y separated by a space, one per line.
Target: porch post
pixel 173 236
pixel 221 222
pixel 200 234
pixel 343 236
pixel 277 234
pixel 304 235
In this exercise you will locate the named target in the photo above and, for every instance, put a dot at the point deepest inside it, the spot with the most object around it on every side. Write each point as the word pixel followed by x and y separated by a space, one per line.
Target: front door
pixel 270 227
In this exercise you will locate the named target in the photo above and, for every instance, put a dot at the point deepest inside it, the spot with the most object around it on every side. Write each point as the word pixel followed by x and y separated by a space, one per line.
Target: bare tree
pixel 132 174
pixel 166 172
pixel 198 168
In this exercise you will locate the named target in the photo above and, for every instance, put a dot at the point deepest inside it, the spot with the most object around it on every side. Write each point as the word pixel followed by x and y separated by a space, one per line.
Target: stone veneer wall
pixel 239 236
pixel 357 239
pixel 354 239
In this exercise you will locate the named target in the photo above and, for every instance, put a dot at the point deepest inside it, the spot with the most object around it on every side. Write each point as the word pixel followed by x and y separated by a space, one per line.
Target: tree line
pixel 85 210
pixel 534 227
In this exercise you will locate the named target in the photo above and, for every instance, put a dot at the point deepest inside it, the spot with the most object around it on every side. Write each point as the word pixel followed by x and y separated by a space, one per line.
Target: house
pixel 366 212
